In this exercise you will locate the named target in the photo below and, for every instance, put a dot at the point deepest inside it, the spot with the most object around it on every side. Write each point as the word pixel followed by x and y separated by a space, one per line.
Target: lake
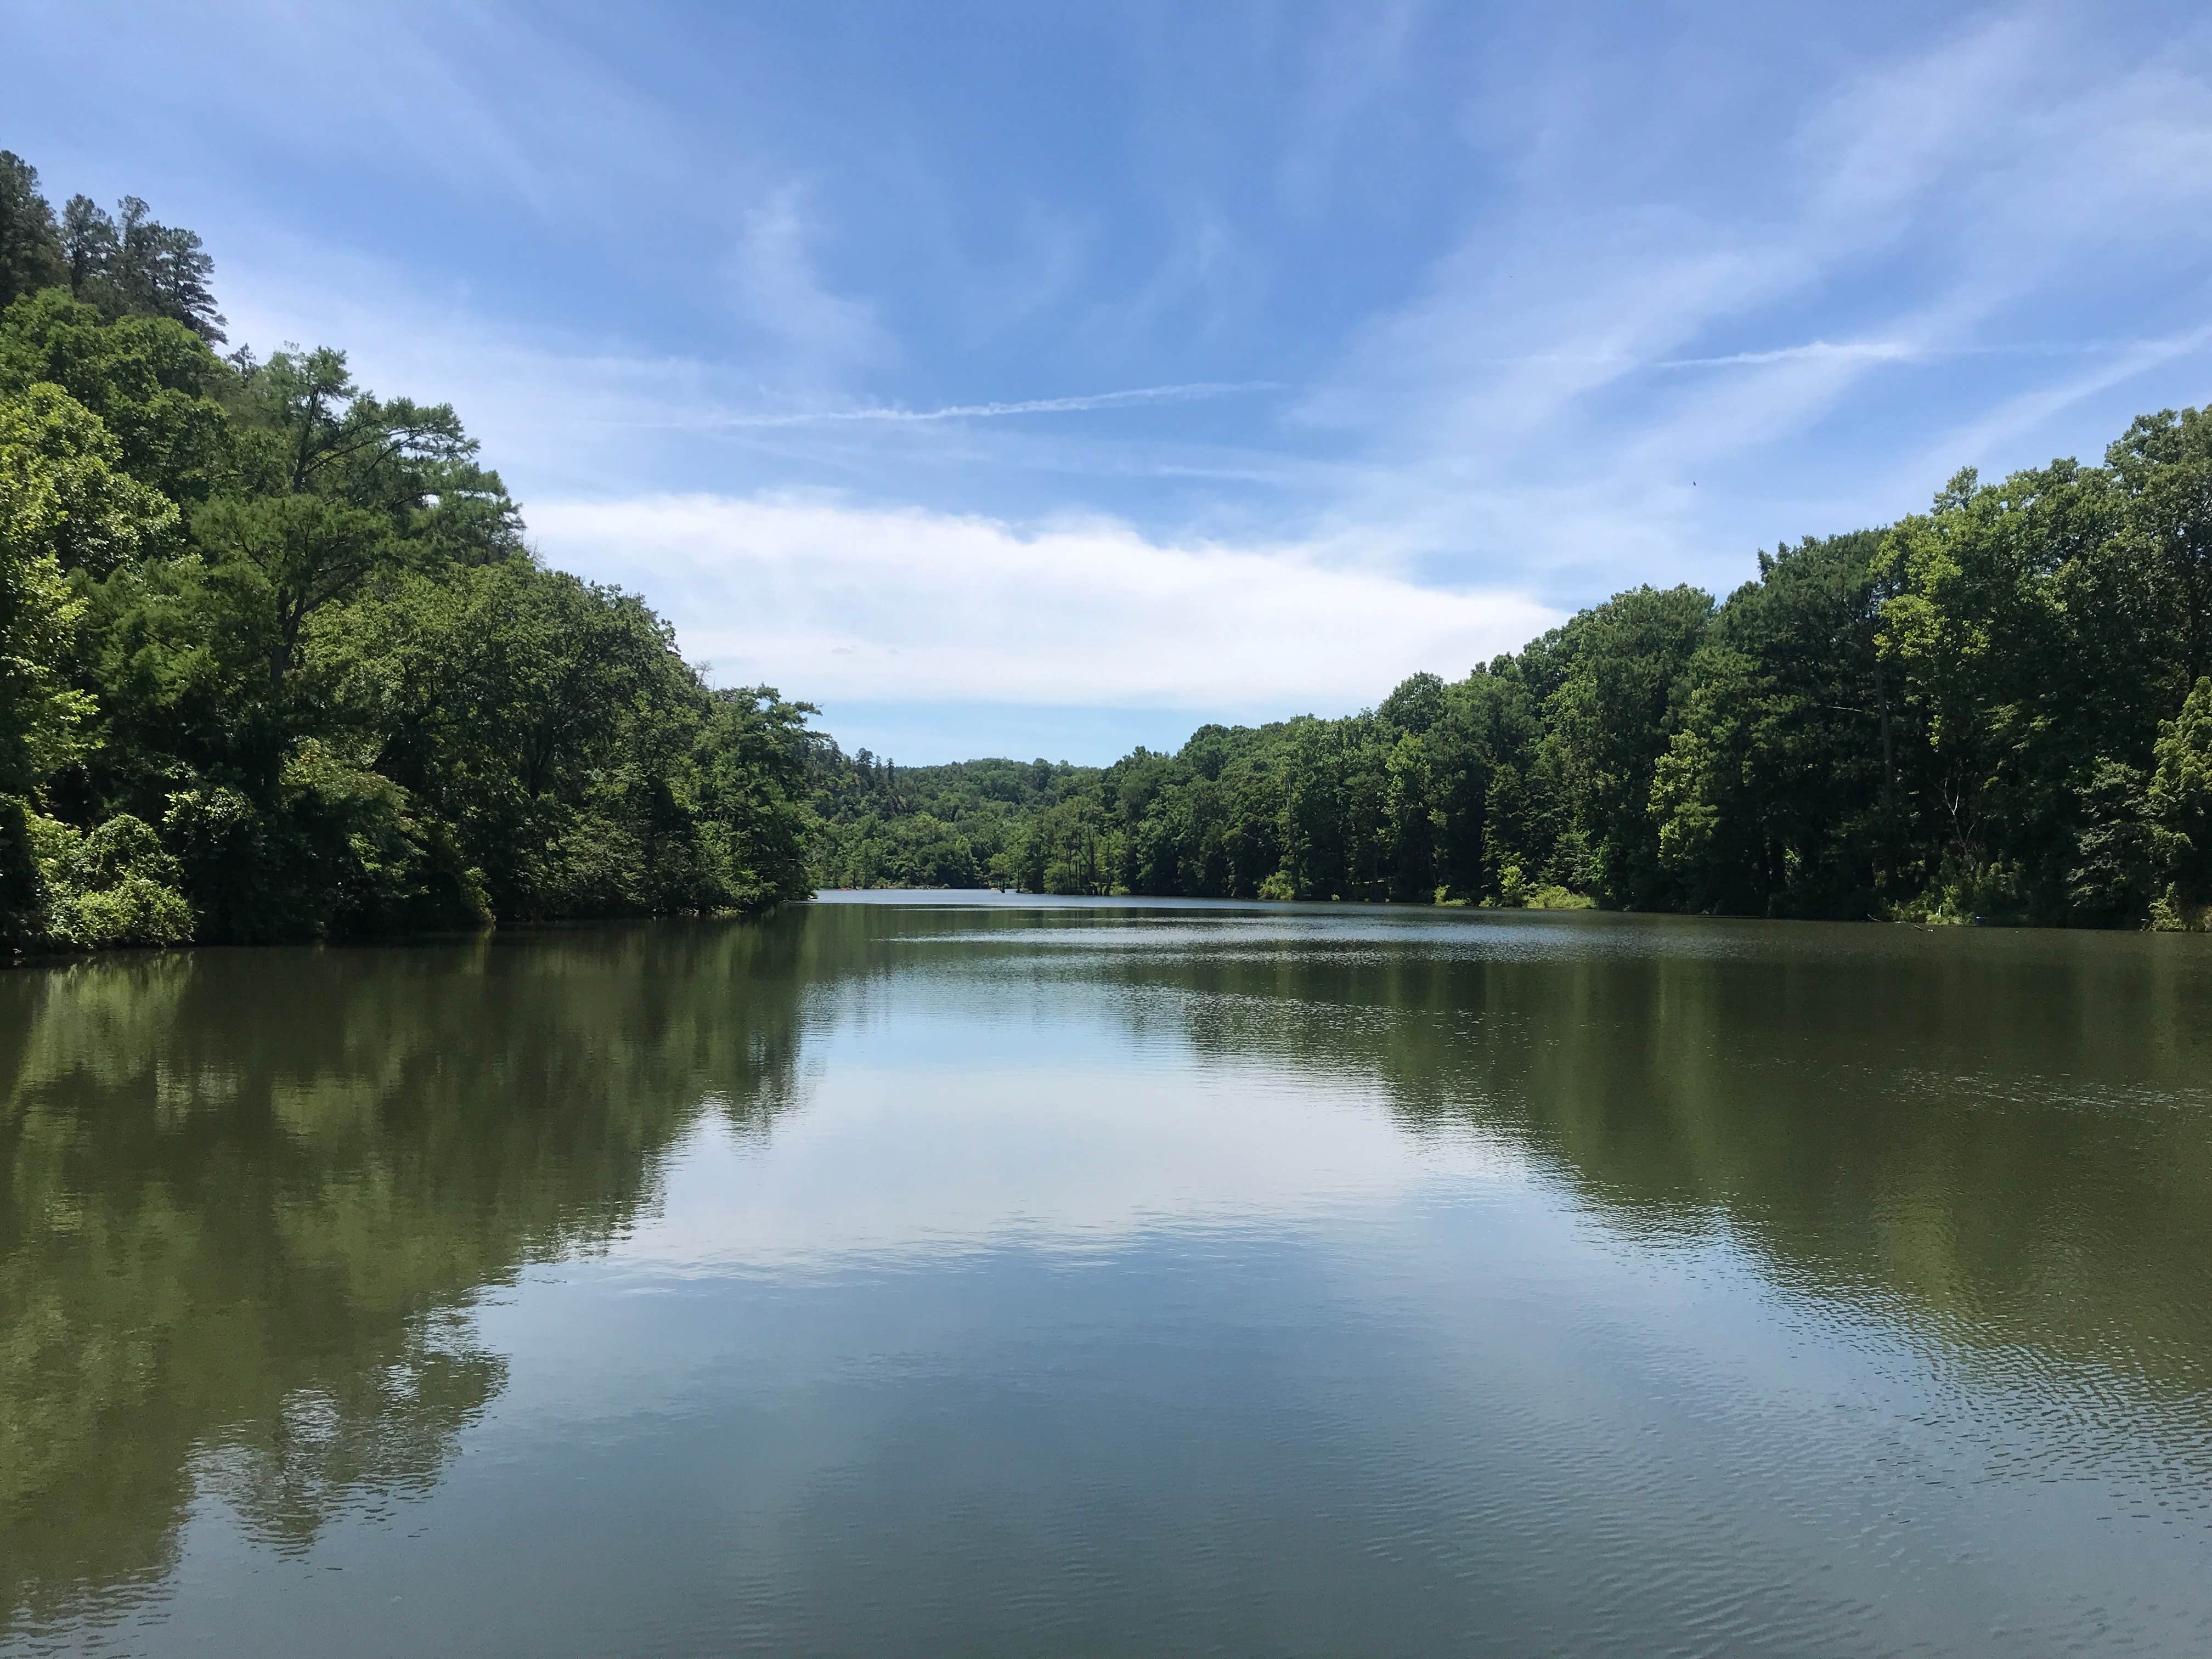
pixel 934 1274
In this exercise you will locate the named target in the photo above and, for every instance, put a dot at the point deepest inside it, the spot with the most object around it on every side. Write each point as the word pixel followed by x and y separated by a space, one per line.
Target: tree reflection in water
pixel 251 1195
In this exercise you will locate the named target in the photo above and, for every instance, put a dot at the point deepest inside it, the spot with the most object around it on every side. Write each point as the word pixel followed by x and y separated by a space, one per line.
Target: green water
pixel 1046 1277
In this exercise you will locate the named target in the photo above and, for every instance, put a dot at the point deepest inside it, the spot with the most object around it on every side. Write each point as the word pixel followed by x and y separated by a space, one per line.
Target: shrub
pixel 114 886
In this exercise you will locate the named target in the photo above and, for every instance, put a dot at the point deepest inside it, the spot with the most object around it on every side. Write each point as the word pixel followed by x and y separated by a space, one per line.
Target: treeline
pixel 885 825
pixel 1997 709
pixel 276 662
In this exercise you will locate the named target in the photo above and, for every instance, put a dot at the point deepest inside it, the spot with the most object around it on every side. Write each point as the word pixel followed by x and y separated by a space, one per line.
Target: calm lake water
pixel 929 1277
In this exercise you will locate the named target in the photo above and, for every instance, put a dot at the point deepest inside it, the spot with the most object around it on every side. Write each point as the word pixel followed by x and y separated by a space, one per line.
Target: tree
pixel 154 383
pixel 307 552
pixel 1773 796
pixel 275 662
pixel 31 255
pixel 1958 716
pixel 2164 465
pixel 2181 803
pixel 162 270
pixel 1416 705
pixel 1412 821
pixel 749 772
pixel 1611 718
pixel 88 248
pixel 38 710
pixel 133 264
pixel 92 516
pixel 1713 842
pixel 344 486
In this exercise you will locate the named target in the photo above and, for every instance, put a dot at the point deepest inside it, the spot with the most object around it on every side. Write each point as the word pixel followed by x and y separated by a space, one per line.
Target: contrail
pixel 1880 351
pixel 1187 393
pixel 1902 351
pixel 1875 351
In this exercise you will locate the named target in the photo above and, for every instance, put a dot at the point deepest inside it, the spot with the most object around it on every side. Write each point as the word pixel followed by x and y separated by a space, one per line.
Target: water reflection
pixel 255 1200
pixel 249 1191
pixel 2012 1131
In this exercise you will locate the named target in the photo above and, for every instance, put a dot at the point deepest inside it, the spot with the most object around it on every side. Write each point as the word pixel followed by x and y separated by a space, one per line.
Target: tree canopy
pixel 276 662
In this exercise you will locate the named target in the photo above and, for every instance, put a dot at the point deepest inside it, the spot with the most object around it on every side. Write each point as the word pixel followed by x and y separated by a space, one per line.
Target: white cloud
pixel 856 602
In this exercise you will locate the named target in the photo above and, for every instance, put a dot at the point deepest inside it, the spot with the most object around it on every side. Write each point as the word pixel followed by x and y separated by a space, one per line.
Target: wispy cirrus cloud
pixel 1566 398
pixel 812 330
pixel 1413 328
pixel 2028 410
pixel 1189 392
pixel 1849 351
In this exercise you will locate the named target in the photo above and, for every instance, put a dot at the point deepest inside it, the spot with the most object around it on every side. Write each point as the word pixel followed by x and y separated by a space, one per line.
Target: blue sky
pixel 1043 379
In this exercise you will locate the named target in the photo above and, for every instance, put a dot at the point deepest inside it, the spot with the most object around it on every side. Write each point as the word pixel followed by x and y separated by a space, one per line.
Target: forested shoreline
pixel 1995 710
pixel 276 662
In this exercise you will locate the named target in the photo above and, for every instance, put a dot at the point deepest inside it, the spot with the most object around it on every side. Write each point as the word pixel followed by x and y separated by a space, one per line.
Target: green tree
pixel 31 255
pixel 154 383
pixel 1777 796
pixel 89 515
pixel 299 553
pixel 132 264
pixel 2164 468
pixel 2181 804
pixel 1611 719
pixel 38 710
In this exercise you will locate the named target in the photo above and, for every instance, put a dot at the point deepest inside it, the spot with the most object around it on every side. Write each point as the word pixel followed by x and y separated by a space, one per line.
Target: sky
pixel 1048 379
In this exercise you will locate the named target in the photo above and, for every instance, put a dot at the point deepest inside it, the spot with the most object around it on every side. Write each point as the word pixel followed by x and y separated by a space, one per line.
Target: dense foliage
pixel 1998 708
pixel 276 662
pixel 885 825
